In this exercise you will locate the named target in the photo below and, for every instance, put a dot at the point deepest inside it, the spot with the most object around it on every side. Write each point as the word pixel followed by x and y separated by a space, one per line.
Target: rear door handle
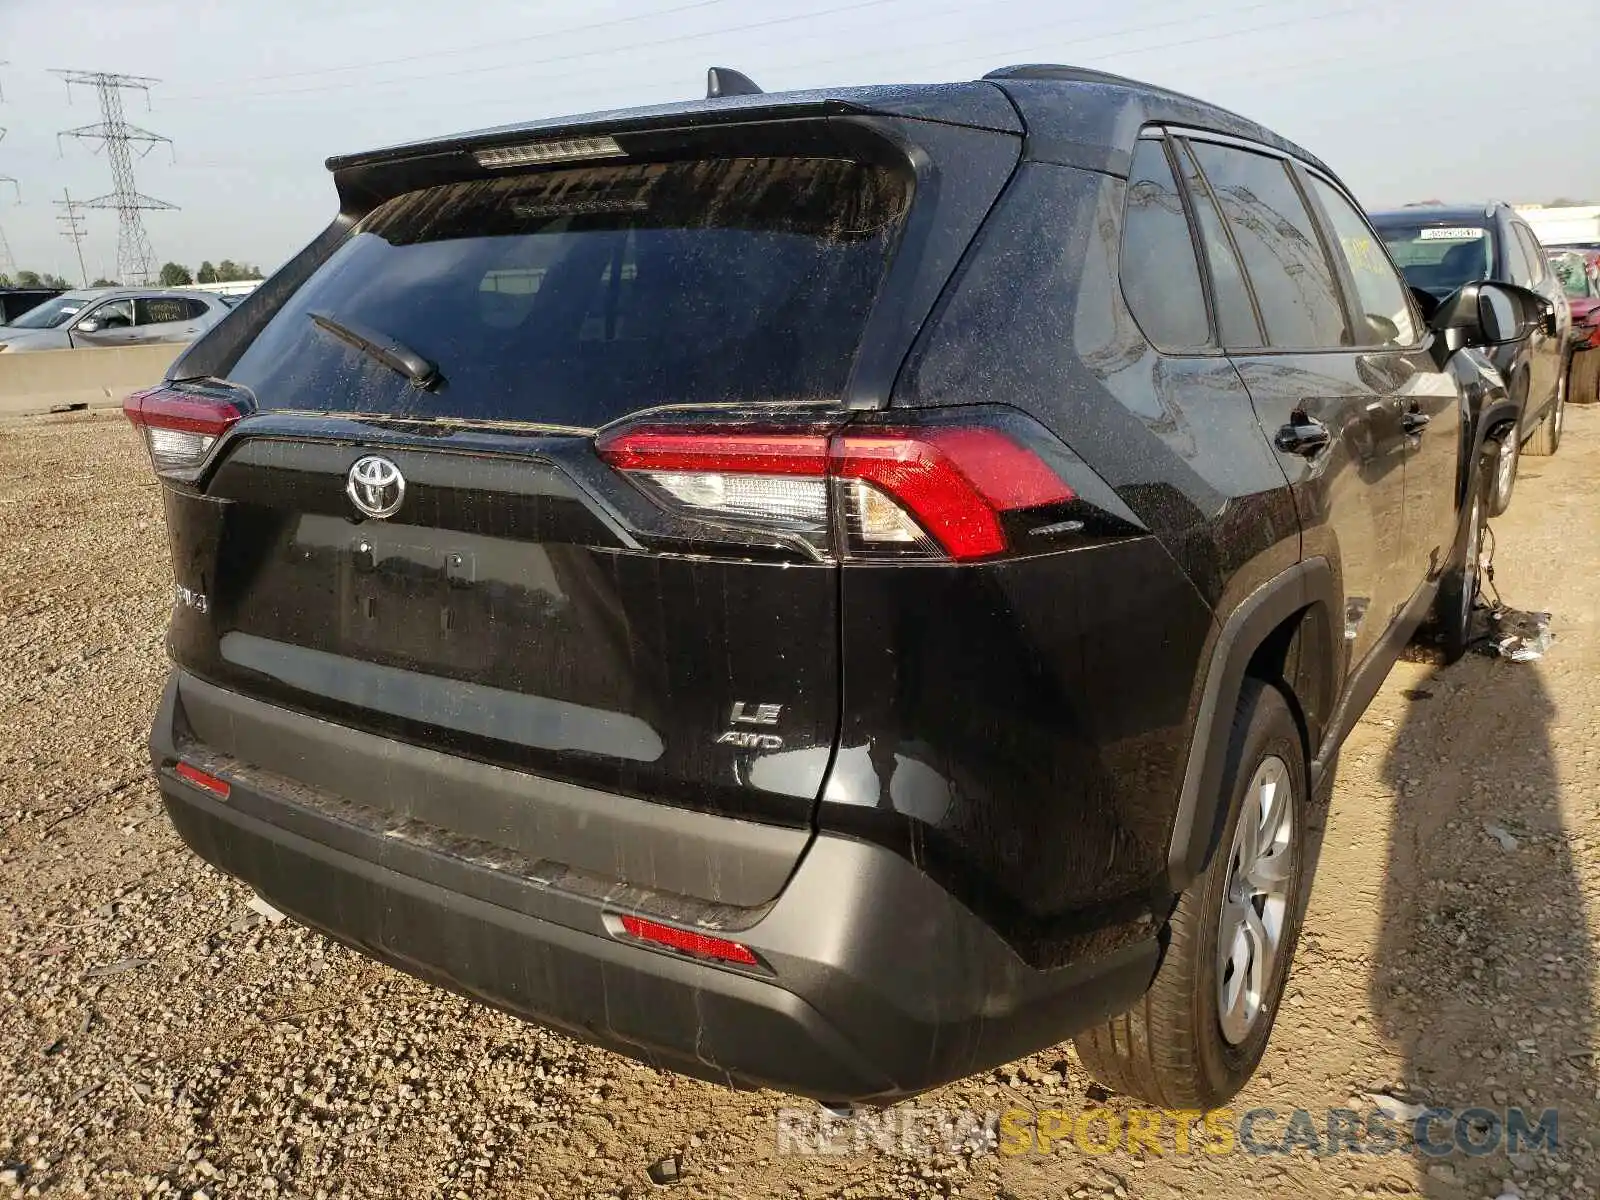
pixel 1307 437
pixel 1414 422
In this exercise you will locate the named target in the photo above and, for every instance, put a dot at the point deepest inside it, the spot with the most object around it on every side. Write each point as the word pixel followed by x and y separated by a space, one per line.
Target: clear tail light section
pixel 774 479
pixel 941 491
pixel 181 423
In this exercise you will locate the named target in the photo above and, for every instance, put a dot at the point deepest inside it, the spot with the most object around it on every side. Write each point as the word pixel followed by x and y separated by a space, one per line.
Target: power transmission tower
pixel 135 259
pixel 72 227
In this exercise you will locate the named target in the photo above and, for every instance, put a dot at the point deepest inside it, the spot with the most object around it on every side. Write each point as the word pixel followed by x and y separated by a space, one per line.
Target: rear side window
pixel 1236 315
pixel 1521 264
pixel 1533 252
pixel 1384 302
pixel 158 310
pixel 1160 277
pixel 1278 242
pixel 575 297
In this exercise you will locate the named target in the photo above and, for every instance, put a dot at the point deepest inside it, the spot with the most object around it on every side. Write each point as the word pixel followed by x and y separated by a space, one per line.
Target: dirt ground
pixel 159 1037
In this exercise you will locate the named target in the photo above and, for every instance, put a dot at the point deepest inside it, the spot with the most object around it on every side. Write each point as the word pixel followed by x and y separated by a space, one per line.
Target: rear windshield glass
pixel 574 297
pixel 1440 258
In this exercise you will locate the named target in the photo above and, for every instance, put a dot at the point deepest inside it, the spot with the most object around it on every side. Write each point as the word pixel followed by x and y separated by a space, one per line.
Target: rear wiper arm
pixel 391 353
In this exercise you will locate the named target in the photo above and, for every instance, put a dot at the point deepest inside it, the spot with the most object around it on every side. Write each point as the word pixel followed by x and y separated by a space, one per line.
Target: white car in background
pixel 114 317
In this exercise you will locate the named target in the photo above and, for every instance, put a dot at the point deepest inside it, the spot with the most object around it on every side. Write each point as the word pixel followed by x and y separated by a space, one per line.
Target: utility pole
pixel 8 265
pixel 72 227
pixel 135 259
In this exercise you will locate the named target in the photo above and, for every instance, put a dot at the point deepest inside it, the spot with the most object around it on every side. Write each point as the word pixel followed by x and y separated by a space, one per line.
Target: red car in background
pixel 1579 273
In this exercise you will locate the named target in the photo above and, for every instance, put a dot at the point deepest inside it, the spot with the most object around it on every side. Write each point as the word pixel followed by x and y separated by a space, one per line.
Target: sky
pixel 1411 100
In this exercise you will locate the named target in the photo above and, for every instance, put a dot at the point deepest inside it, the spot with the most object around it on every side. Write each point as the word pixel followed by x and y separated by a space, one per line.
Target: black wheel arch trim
pixel 1200 806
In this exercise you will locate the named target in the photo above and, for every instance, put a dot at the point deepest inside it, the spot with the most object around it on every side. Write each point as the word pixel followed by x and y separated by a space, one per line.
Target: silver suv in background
pixel 114 317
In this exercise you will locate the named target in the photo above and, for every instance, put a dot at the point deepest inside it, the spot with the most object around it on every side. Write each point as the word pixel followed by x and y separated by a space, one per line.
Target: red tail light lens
pixel 938 491
pixel 956 482
pixel 688 941
pixel 179 428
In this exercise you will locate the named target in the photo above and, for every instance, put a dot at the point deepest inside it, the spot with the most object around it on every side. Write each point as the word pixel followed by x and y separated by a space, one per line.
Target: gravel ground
pixel 159 1037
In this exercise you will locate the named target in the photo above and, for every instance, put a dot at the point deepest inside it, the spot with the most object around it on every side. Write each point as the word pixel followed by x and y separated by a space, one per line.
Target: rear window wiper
pixel 391 353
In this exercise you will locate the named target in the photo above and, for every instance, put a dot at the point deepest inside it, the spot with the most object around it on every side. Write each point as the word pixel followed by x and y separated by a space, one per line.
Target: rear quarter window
pixel 579 296
pixel 1160 276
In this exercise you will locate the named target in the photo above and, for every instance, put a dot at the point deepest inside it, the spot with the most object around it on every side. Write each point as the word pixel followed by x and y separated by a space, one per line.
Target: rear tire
pixel 1186 1044
pixel 1458 593
pixel 1583 385
pixel 1546 439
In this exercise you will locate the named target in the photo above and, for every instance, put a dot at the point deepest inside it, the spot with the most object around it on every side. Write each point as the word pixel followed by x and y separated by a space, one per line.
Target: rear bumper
pixel 874 983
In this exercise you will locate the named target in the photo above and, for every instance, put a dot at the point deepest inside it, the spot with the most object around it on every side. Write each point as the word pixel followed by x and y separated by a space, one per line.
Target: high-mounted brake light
pixel 688 941
pixel 179 428
pixel 936 492
pixel 534 154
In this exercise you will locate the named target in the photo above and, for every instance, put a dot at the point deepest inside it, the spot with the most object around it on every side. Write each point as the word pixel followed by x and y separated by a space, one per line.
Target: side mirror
pixel 1385 330
pixel 1488 314
pixel 87 325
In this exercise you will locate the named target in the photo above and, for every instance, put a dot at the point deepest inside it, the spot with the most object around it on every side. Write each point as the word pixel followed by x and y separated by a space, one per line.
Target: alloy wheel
pixel 1506 466
pixel 1255 899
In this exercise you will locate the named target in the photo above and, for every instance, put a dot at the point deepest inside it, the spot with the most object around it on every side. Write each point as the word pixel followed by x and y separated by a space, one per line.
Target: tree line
pixel 227 271
pixel 172 275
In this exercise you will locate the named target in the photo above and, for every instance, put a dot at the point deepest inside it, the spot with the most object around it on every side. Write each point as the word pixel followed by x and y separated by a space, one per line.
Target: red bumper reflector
pixel 201 779
pixel 688 941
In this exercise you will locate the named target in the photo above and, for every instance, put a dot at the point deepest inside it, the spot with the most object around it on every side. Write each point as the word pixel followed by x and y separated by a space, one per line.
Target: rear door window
pixel 1276 238
pixel 1160 277
pixel 578 296
pixel 162 310
pixel 1236 314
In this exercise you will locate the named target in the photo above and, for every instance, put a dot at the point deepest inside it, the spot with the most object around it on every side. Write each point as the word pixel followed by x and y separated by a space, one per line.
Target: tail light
pixel 936 492
pixel 180 426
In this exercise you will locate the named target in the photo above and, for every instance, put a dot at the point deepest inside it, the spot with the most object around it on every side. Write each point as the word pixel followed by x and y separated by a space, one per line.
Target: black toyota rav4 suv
pixel 1440 247
pixel 835 590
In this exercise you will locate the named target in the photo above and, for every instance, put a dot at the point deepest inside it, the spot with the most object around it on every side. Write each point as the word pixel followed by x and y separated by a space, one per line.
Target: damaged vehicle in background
pixel 1440 248
pixel 113 317
pixel 1579 274
pixel 567 616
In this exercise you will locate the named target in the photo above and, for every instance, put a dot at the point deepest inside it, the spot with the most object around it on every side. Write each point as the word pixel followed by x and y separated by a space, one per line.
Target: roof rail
pixel 1066 74
pixel 725 81
pixel 1059 71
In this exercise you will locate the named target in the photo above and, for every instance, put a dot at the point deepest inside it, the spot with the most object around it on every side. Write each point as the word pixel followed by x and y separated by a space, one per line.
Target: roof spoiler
pixel 725 81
